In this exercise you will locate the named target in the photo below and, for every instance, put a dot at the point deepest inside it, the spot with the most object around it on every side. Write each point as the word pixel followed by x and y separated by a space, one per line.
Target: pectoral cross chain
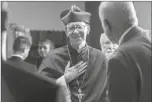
pixel 80 95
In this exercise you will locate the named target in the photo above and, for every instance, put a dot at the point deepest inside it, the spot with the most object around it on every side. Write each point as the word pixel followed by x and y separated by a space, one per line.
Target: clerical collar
pixel 16 55
pixel 125 33
pixel 82 46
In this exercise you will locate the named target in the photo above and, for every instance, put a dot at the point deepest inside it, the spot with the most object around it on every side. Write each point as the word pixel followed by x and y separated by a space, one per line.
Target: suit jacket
pixel 39 61
pixel 19 63
pixel 26 85
pixel 129 70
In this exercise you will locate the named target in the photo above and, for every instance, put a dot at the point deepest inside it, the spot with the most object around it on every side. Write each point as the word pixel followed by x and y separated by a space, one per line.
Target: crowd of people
pixel 119 72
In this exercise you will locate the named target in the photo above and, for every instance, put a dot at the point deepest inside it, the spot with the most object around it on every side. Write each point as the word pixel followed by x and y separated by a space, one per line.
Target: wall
pixel 45 15
pixel 95 24
pixel 143 11
pixel 40 15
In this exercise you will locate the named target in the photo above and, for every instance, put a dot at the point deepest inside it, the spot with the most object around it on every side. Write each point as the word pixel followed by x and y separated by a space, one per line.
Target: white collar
pixel 125 33
pixel 18 56
pixel 82 45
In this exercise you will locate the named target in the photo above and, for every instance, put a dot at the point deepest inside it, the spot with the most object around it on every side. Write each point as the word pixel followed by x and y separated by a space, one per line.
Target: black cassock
pixel 92 83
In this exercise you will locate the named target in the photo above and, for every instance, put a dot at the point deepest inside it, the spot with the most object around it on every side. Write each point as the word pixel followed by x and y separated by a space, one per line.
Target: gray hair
pixel 119 13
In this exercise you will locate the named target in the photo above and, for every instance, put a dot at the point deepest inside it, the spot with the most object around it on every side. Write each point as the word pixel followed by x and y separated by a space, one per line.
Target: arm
pixel 119 82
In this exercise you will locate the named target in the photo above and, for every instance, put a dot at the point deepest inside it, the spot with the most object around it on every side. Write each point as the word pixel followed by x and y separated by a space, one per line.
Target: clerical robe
pixel 92 82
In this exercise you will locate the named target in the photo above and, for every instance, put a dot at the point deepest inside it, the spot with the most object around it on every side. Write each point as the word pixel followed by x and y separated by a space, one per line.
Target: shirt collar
pixel 18 56
pixel 125 33
pixel 81 47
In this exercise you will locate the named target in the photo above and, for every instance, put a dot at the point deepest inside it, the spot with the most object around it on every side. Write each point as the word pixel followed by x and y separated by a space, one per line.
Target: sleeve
pixel 119 82
pixel 49 69
pixel 61 81
pixel 104 75
pixel 45 63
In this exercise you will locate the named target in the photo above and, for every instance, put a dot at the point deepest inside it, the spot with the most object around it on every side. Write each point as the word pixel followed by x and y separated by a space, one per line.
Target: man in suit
pixel 21 49
pixel 24 83
pixel 129 73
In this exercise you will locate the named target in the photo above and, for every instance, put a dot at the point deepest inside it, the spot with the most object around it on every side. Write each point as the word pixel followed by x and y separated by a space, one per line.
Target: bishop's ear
pixel 88 29
pixel 66 32
pixel 107 25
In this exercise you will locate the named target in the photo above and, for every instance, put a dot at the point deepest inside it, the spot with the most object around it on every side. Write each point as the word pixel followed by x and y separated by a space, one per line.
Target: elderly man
pixel 78 65
pixel 106 45
pixel 129 72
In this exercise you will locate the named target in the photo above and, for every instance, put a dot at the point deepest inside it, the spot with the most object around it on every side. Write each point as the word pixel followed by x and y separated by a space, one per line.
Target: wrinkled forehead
pixel 75 23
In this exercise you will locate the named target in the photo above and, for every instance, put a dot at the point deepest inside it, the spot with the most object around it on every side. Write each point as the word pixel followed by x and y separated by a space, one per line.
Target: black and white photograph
pixel 76 51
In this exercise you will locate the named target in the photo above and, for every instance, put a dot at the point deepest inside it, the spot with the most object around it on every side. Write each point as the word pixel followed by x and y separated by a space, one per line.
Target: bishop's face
pixel 77 33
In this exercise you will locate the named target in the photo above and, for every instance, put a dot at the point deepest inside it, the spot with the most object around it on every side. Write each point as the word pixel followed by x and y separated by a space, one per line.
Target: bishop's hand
pixel 75 71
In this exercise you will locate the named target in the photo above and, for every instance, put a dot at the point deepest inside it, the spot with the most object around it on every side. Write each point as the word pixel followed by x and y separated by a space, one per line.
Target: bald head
pixel 117 17
pixel 122 12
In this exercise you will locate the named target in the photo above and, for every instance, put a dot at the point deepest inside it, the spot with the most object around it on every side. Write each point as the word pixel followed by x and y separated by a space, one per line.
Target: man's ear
pixel 66 32
pixel 107 25
pixel 88 29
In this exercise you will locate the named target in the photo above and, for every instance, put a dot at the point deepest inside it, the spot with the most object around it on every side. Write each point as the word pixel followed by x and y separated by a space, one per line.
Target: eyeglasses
pixel 72 27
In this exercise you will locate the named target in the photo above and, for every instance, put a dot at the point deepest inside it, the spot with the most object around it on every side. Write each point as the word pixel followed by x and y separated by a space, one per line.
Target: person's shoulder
pixel 57 51
pixel 29 64
pixel 136 46
pixel 96 52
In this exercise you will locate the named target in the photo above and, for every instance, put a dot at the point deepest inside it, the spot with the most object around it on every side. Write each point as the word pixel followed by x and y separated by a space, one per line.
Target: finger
pixel 78 64
pixel 84 64
pixel 83 68
pixel 80 73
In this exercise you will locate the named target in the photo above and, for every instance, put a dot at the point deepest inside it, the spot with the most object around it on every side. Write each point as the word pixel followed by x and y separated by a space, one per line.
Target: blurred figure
pixel 4 19
pixel 21 49
pixel 129 72
pixel 6 95
pixel 23 81
pixel 106 45
pixel 43 48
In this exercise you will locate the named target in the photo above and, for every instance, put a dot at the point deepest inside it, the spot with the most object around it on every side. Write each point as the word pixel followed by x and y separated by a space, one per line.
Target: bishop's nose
pixel 76 32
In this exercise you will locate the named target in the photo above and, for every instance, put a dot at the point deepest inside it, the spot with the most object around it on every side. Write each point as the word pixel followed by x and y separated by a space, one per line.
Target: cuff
pixel 61 81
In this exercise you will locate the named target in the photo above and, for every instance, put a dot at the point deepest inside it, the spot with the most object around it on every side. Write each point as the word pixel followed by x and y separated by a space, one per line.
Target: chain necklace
pixel 80 94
